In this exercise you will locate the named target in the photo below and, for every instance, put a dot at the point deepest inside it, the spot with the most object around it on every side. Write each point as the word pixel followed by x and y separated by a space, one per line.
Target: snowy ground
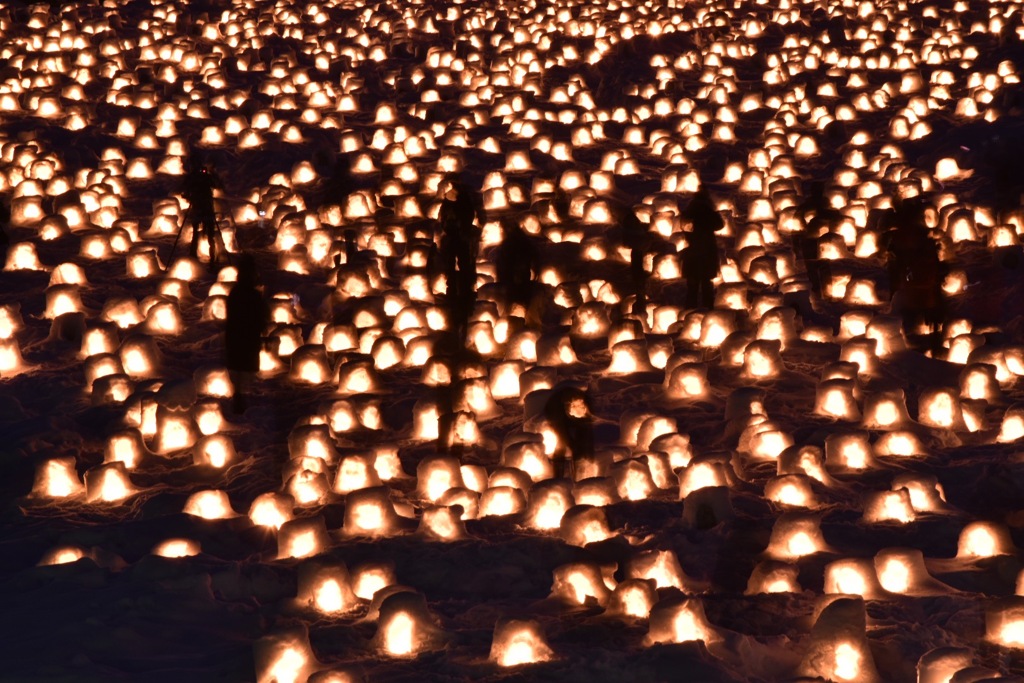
pixel 616 104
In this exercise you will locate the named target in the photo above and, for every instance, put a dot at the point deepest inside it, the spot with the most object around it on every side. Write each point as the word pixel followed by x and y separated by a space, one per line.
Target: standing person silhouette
pixel 569 415
pixel 247 316
pixel 460 243
pixel 517 261
pixel 5 218
pixel 200 182
pixel 700 257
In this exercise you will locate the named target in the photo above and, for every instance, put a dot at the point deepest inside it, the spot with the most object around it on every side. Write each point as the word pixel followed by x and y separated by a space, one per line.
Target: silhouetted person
pixel 516 263
pixel 818 215
pixel 247 315
pixel 5 219
pixel 635 236
pixel 200 182
pixel 460 242
pixel 700 257
pixel 916 272
pixel 339 185
pixel 569 415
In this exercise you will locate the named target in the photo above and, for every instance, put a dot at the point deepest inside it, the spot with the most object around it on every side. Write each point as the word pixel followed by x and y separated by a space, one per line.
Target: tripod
pixel 213 240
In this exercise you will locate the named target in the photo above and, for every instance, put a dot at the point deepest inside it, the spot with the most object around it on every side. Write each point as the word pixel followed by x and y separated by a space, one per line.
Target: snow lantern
pixel 22 256
pixel 835 398
pixel 633 479
pixel 661 566
pixel 125 446
pixel 584 524
pixel 680 621
pixel 579 582
pixel 795 535
pixel 285 657
pixel 437 474
pixel 548 503
pixel 306 481
pixel 62 555
pixel 770 576
pixel 629 357
pixel 175 430
pixel 371 578
pixel 791 490
pixel 940 407
pixel 502 500
pixel 889 506
pixel 633 598
pixel 979 540
pixel 852 576
pixel 108 483
pixel 504 379
pixel 839 648
pixel 851 451
pixel 356 472
pixel 357 377
pixel 861 351
pixel 978 381
pixel 207 417
pixel 702 474
pixel 517 642
pixel 762 359
pixel 61 299
pixel 173 548
pixel 57 478
pixel 370 512
pixel 943 663
pixel 442 523
pixel 325 588
pixel 899 443
pixel 1004 622
pixel 309 364
pixel 903 571
pixel 528 456
pixel 271 509
pixel 300 538
pixel 405 627
pixel 215 450
pixel 314 440
pixel 209 504
pixel 1012 427
pixel 686 381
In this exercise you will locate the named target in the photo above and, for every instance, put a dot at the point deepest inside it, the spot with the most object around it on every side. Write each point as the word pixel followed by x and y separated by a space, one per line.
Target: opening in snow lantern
pixel 177 547
pixel 356 472
pixel 285 657
pixel 548 503
pixel 889 506
pixel 517 642
pixel 762 358
pixel 851 451
pixel 978 381
pixel 370 512
pixel 369 579
pixel 579 582
pixel 307 481
pixel 791 490
pixel 502 500
pixel 701 474
pixel 1004 622
pixel 680 621
pixel 62 555
pixel 271 509
pixel 57 478
pixel 325 588
pixel 900 443
pixel 903 571
pixel 770 576
pixel 300 538
pixel 835 398
pixel 528 455
pixel 437 474
pixel 940 407
pixel 405 627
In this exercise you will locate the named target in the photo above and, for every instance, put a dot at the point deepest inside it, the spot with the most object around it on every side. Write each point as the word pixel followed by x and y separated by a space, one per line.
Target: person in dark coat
pixel 700 257
pixel 637 238
pixel 569 415
pixel 247 316
pixel 5 218
pixel 916 273
pixel 817 215
pixel 460 243
pixel 516 264
pixel 200 182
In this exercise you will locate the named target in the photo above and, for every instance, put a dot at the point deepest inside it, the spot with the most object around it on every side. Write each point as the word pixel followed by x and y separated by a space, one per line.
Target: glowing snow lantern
pixel 979 540
pixel 628 357
pixel 889 506
pixel 357 377
pixel 698 475
pixel 940 407
pixel 308 482
pixel 633 598
pixel 215 450
pixel 210 504
pixel 309 364
pixel 518 642
pixel 773 577
pixel 1012 427
pixel 61 299
pixel 176 548
pixel 795 535
pixel 899 443
pixel 903 571
pixel 1004 622
pixel 435 475
pixel 502 500
pixel 370 512
pixel 886 410
pixel 852 451
pixel 839 649
pixel 943 663
pixel 57 478
pixel 680 622
pixel 660 566
pixel 271 509
pixel 791 490
pixel 835 398
pixel 285 657
pixel 854 576
pixel 325 588
pixel 528 456
pixel 64 555
pixel 313 441
pixel 300 538
pixel 687 381
pixel 584 524
pixel 108 483
pixel 442 523
pixel 175 431
pixel 405 626
pixel 978 381
pixel 579 583
pixel 356 472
